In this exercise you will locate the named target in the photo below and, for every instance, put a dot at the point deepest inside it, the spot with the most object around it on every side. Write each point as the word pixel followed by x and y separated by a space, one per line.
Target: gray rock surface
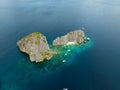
pixel 36 46
pixel 76 36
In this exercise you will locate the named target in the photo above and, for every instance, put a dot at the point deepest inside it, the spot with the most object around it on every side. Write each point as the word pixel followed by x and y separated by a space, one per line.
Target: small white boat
pixel 68 50
pixel 65 54
pixel 64 61
pixel 88 39
pixel 65 88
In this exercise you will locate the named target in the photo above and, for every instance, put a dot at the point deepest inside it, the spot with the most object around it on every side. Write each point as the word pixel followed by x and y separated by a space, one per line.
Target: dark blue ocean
pixel 93 68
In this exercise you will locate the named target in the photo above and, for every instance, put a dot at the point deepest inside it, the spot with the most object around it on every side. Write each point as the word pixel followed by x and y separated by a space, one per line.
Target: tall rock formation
pixel 36 46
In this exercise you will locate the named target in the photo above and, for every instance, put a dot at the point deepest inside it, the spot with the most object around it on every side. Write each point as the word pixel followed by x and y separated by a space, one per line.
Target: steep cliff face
pixel 77 36
pixel 36 46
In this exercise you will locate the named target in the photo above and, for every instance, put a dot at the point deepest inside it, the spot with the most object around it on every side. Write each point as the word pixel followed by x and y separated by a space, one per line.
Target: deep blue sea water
pixel 94 68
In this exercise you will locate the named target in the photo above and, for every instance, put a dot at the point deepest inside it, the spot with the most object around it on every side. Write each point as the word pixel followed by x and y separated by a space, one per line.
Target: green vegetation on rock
pixel 37 42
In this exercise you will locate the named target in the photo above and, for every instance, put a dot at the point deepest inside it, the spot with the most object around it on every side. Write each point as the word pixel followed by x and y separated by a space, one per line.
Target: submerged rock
pixel 36 46
pixel 73 37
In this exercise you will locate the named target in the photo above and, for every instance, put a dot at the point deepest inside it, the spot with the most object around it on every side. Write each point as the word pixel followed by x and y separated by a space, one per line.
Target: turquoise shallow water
pixel 25 74
pixel 93 68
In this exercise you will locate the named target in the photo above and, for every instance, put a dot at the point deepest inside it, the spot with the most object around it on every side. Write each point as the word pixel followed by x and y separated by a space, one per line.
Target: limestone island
pixel 36 45
pixel 74 37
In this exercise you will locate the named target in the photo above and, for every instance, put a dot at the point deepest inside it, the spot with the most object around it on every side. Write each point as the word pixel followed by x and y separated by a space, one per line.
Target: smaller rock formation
pixel 73 37
pixel 36 46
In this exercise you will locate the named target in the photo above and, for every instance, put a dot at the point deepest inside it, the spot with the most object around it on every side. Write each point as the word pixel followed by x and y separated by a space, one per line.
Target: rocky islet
pixel 36 45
